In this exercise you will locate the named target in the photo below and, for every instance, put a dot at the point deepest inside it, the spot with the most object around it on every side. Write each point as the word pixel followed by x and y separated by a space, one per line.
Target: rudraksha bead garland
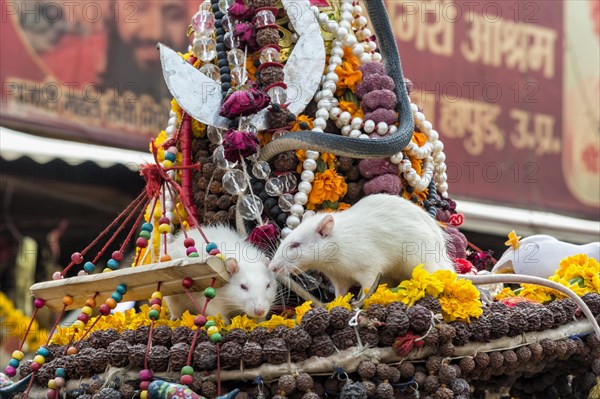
pixel 439 375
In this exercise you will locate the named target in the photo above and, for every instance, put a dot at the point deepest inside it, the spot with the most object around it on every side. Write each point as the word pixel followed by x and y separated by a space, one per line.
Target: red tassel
pixel 403 345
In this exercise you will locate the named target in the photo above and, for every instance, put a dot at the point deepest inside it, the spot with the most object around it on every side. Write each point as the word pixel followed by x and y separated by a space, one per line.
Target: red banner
pixel 89 70
pixel 495 82
pixel 511 86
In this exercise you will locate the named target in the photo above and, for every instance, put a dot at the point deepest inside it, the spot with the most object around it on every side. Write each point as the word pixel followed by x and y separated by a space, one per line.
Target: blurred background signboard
pixel 511 86
pixel 513 89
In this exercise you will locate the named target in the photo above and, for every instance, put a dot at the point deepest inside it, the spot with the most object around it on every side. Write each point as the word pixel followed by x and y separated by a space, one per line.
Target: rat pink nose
pixel 259 311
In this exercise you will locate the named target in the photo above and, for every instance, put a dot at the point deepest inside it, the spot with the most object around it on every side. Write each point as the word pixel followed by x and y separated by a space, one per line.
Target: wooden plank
pixel 141 282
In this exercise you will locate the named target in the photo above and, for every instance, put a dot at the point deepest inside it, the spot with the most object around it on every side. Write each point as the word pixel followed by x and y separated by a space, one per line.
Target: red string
pixel 194 220
pixel 148 345
pixel 137 222
pixel 189 359
pixel 121 227
pixel 137 258
pixel 212 284
pixel 88 331
pixel 164 212
pixel 193 300
pixel 30 385
pixel 58 319
pixel 110 226
pixel 28 328
pixel 403 345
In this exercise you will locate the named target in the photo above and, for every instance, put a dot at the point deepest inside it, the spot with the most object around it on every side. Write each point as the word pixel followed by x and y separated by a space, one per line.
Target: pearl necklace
pixel 326 102
pixel 432 154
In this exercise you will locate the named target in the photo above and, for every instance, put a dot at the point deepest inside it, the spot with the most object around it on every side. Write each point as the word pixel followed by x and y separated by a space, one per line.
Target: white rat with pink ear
pixel 251 288
pixel 380 234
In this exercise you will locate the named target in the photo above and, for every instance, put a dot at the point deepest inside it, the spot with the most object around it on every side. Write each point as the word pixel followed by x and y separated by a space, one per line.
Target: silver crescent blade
pixel 304 68
pixel 196 93
pixel 200 96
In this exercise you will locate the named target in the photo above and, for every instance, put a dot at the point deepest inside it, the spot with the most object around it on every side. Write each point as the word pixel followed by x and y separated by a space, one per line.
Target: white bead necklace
pixel 362 47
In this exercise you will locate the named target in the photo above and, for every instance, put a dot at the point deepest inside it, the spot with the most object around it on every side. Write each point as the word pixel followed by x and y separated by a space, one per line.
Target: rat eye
pixel 295 245
pixel 268 285
pixel 244 287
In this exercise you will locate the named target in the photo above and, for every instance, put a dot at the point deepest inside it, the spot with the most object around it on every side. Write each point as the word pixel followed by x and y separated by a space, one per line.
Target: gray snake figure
pixel 355 147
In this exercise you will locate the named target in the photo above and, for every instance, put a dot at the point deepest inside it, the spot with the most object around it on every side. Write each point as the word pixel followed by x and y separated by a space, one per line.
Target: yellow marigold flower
pixel 536 293
pixel 187 320
pixel 505 293
pixel 382 296
pixel 444 276
pixel 276 321
pixel 177 109
pixel 460 301
pixel 421 283
pixel 160 152
pixel 243 322
pixel 302 118
pixel 513 240
pixel 302 309
pixel 327 186
pixel 198 128
pixel 342 301
pixel 580 273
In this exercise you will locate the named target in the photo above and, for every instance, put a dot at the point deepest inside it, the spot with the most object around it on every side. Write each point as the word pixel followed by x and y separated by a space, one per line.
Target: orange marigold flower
pixel 352 108
pixel 327 186
pixel 419 139
pixel 351 58
pixel 302 118
pixel 349 77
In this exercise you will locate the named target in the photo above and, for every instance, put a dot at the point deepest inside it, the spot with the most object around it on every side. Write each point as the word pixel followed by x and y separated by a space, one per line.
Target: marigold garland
pixel 341 301
pixel 327 186
pixel 579 272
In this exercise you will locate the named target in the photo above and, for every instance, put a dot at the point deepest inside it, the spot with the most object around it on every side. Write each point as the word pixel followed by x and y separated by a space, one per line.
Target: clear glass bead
pixel 234 182
pixel 205 6
pixel 277 94
pixel 224 5
pixel 285 202
pixel 214 135
pixel 248 126
pixel 261 170
pixel 203 22
pixel 264 18
pixel 211 71
pixel 274 187
pixel 235 57
pixel 269 55
pixel 289 182
pixel 239 76
pixel 227 23
pixel 231 41
pixel 251 207
pixel 205 49
pixel 219 159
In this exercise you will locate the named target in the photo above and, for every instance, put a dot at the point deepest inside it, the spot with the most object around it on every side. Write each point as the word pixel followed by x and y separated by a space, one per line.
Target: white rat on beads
pixel 251 288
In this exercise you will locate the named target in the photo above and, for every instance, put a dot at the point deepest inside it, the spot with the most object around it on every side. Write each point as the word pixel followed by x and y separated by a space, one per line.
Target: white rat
pixel 251 288
pixel 380 234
